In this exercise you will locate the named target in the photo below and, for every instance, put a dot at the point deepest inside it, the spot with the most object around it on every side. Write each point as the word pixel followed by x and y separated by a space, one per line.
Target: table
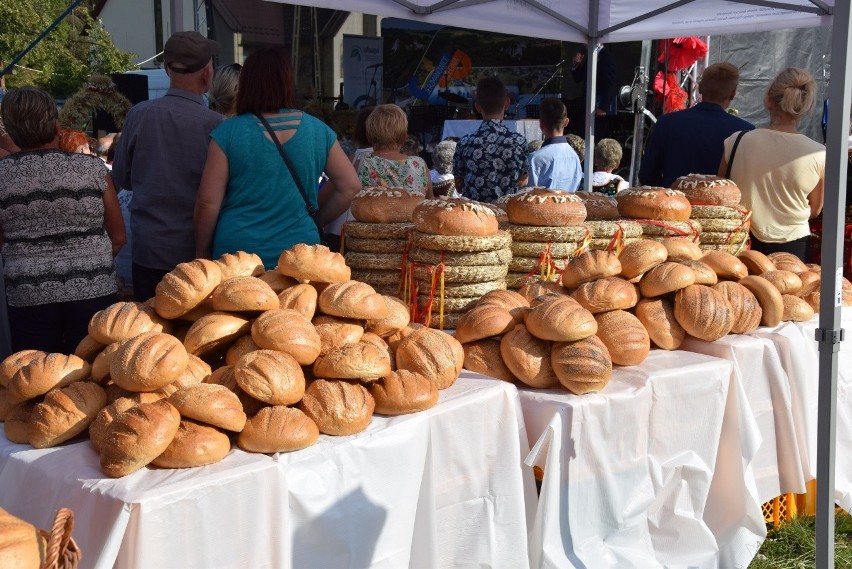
pixel 440 488
pixel 529 128
pixel 628 471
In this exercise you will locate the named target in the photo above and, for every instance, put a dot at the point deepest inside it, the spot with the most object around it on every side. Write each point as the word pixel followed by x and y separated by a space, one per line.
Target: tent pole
pixel 591 93
pixel 829 334
pixel 639 117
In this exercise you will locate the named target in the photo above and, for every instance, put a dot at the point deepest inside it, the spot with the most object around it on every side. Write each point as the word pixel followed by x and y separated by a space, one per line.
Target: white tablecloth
pixel 627 471
pixel 441 488
pixel 529 128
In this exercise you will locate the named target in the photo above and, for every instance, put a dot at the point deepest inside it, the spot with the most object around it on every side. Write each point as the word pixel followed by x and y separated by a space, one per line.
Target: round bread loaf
pixel 12 363
pixel 454 216
pixel 22 546
pixel 432 353
pixel 726 266
pixel 403 392
pixel 813 300
pixel 810 282
pixel 813 267
pixel 396 319
pixel 657 316
pixel 603 295
pixel 244 294
pixel 240 264
pixel 185 287
pixel 599 207
pixel 647 202
pixel 313 263
pixel 100 367
pixel 534 286
pixel 788 262
pixel 756 262
pixel 361 360
pixel 203 309
pixel 703 312
pixel 641 256
pixel 624 336
pixel 99 427
pixel 590 266
pixel 88 349
pixel 560 319
pixel 65 413
pixel 769 298
pixel 197 370
pixel 338 407
pixel 138 436
pixel 511 300
pixel 382 345
pixel 214 331
pixel 278 429
pixel 528 358
pixel 121 321
pixel 745 309
pixel 704 274
pixel 385 205
pixel 702 189
pixel 270 376
pixel 277 281
pixel 787 282
pixel 665 278
pixel 352 299
pixel 148 362
pixel 545 208
pixel 483 322
pixel 194 445
pixel 335 332
pixel 796 309
pixel 43 373
pixel 682 249
pixel 287 331
pixel 211 404
pixel 483 356
pixel 301 297
pixel 583 366
pixel 17 424
pixel 238 349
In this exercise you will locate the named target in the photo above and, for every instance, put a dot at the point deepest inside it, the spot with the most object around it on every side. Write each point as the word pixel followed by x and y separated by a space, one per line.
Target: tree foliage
pixel 78 47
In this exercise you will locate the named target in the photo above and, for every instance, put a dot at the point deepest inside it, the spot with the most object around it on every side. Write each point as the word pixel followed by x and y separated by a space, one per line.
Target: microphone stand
pixel 556 70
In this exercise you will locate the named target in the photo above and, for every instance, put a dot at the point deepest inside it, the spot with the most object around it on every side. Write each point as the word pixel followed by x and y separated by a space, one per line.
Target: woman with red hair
pixel 74 141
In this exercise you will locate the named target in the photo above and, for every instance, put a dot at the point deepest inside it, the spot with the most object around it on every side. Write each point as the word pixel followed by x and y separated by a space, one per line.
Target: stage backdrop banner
pixel 362 66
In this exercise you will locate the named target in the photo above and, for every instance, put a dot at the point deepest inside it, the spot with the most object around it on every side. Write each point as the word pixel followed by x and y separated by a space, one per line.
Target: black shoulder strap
pixel 733 153
pixel 314 213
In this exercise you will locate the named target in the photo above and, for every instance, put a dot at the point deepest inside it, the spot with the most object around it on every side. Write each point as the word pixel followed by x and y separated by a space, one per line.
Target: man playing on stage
pixel 490 162
pixel 690 141
pixel 555 165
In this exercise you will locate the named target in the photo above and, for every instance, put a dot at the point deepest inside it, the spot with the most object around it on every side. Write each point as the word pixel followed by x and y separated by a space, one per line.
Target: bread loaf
pixel 664 278
pixel 787 282
pixel 483 356
pixel 88 349
pixel 703 312
pixel 12 363
pixel 454 217
pixel 560 319
pixel 787 262
pixel 682 249
pixel 194 445
pixel 483 322
pixel 701 189
pixel 196 371
pixel 745 309
pixel 362 361
pixel 535 287
pixel 383 347
pixel 657 316
pixel 756 262
pixel 186 287
pixel 433 354
pixel 278 429
pixel 46 372
pixel 810 282
pixel 599 207
pixel 214 331
pixel 338 407
pixel 65 413
pixel 211 404
pixel 6 405
pixel 121 321
pixel 287 331
pixel 21 545
pixel 271 376
pixel 99 427
pixel 602 295
pixel 313 263
pixel 352 299
pixel 244 294
pixel 796 309
pixel 335 332
pixel 512 301
pixel 624 336
pixel 704 274
pixel 648 202
pixel 396 319
pixel 17 423
pixel 148 362
pixel 238 349
pixel 590 266
pixel 240 264
pixel 528 358
pixel 583 366
pixel 403 392
pixel 726 266
pixel 640 256
pixel 277 281
pixel 138 436
pixel 100 367
pixel 302 298
pixel 385 205
pixel 545 208
pixel 769 298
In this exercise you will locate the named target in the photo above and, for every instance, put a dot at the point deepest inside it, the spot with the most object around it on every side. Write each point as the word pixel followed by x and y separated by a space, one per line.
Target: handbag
pixel 733 153
pixel 312 210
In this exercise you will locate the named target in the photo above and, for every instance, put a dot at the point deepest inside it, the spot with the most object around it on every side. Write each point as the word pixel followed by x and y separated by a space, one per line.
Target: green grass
pixel 793 545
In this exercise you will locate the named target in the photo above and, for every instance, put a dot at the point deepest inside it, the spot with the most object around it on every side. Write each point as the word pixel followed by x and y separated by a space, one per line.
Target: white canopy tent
pixel 595 22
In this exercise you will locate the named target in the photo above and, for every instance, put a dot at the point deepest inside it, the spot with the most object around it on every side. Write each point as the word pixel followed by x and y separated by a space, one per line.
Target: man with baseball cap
pixel 160 157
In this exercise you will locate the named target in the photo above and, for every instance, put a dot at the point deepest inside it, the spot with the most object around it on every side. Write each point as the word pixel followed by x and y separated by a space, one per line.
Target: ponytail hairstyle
pixel 793 91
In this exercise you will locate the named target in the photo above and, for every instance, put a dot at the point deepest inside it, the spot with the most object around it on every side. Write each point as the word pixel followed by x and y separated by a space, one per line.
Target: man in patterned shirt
pixel 490 162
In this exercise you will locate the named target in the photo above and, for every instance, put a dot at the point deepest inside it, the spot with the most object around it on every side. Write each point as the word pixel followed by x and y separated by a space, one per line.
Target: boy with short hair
pixel 555 165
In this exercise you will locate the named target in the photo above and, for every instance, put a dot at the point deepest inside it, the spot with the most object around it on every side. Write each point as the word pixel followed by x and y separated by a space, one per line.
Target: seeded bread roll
pixel 528 358
pixel 788 262
pixel 138 436
pixel 603 295
pixel 12 363
pixel 745 309
pixel 664 278
pixel 704 274
pixel 277 281
pixel 796 309
pixel 535 287
pixel 599 207
pixel 99 427
pixel 560 319
pixel 302 298
pixel 589 266
pixel 352 299
pixel 270 376
pixel 21 545
pixel 121 321
pixel 483 356
pixel 148 362
pixel 313 263
pixel 88 349
pixel 244 294
pixel 211 404
pixel 278 429
pixel 433 354
pixel 403 392
pixel 787 282
pixel 483 322
pixel 382 345
pixel 214 331
pixel 583 366
pixel 769 298
pixel 65 413
pixel 385 205
pixel 702 189
pixel 545 208
pixel 657 316
pixel 338 407
pixel 682 249
pixel 514 302
pixel 624 336
pixel 46 372
pixel 810 282
pixel 647 202
pixel 703 312
pixel 727 266
pixel 756 262
pixel 194 445
pixel 396 319
pixel 454 217
pixel 186 287
pixel 240 264
pixel 361 360
pixel 17 424
pixel 241 347
pixel 640 256
pixel 335 332
pixel 287 331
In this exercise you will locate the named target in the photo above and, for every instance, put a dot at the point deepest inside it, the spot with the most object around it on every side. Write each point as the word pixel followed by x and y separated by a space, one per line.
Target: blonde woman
pixel 779 171
pixel 223 90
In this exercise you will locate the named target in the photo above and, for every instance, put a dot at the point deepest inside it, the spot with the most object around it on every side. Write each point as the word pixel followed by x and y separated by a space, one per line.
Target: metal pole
pixel 829 334
pixel 41 36
pixel 591 93
pixel 639 117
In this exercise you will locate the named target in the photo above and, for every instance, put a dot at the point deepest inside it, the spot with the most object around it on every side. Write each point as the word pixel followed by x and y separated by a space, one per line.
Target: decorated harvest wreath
pixel 99 93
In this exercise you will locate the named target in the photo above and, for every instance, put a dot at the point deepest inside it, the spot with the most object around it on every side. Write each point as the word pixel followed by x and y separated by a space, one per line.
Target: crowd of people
pixel 251 171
